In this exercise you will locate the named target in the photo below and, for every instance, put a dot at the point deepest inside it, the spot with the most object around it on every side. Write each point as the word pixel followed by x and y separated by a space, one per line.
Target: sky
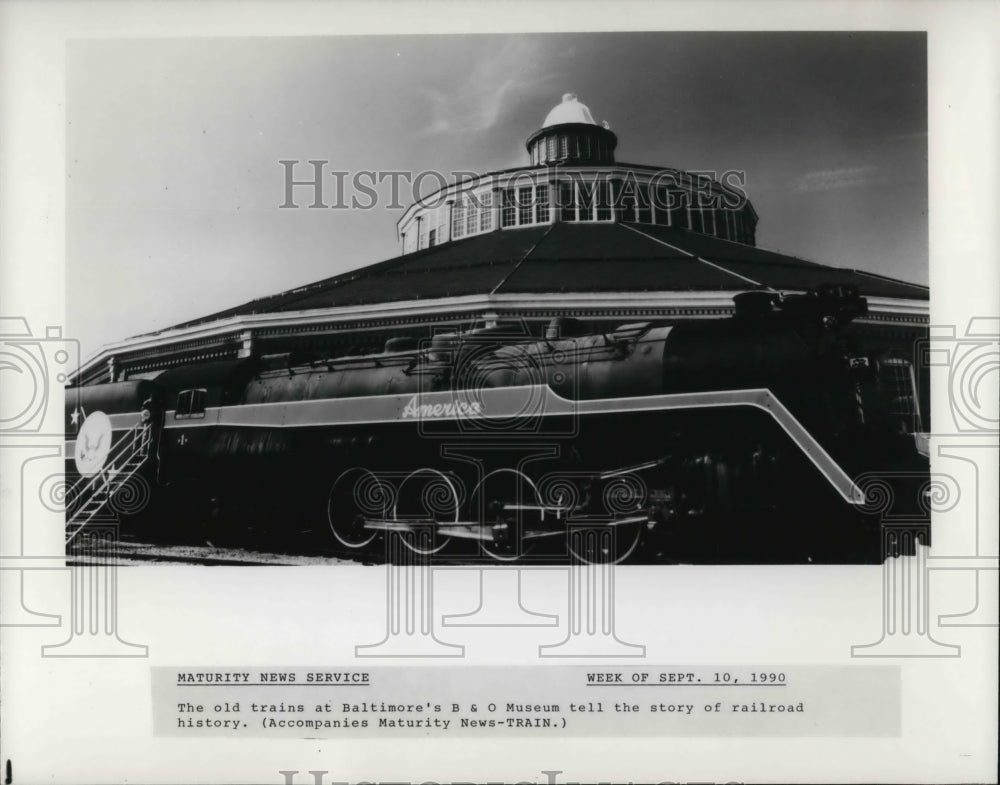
pixel 173 147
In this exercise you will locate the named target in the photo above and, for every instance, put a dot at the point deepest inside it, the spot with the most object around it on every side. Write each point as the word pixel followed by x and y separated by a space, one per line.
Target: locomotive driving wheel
pixel 502 500
pixel 604 542
pixel 613 534
pixel 356 495
pixel 426 499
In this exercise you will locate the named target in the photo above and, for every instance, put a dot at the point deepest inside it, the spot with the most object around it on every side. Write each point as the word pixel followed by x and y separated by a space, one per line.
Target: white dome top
pixel 569 111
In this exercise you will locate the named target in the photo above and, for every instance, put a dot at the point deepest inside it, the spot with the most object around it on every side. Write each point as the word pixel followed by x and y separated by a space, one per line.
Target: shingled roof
pixel 572 257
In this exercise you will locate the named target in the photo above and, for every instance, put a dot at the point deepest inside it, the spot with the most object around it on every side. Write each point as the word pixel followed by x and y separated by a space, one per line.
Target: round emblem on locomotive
pixel 93 443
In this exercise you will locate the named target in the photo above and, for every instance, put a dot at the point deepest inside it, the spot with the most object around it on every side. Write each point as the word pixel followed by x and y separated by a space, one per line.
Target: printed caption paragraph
pixel 527 701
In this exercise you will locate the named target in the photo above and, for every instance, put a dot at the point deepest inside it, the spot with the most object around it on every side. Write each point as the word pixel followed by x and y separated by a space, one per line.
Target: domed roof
pixel 569 111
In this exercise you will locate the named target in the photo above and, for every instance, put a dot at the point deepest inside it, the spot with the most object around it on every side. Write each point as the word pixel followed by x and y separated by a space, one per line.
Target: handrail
pixel 135 442
pixel 141 432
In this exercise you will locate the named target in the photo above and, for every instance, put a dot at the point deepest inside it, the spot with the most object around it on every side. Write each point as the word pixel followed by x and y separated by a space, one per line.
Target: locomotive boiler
pixel 744 439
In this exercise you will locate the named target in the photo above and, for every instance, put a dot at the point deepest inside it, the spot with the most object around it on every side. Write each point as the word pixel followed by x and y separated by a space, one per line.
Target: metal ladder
pixel 89 495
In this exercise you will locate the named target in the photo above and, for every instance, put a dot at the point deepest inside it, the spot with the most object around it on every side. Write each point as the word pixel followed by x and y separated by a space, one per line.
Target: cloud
pixel 475 113
pixel 832 179
pixel 477 101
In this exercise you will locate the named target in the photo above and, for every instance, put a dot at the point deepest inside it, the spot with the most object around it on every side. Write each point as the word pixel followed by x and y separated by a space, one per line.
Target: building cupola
pixel 570 135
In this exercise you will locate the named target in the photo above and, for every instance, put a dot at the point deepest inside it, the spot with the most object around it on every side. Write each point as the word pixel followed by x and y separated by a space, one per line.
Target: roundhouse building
pixel 572 233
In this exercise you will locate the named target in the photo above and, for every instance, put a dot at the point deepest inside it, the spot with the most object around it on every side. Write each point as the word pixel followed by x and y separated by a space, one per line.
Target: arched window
pixel 541 204
pixel 624 201
pixel 603 200
pixel 661 206
pixel 486 213
pixel 585 200
pixel 471 217
pixel 645 210
pixel 524 205
pixel 567 201
pixel 508 215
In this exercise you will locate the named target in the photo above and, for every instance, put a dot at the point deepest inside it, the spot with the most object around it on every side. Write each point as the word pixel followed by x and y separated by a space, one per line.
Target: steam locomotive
pixel 745 439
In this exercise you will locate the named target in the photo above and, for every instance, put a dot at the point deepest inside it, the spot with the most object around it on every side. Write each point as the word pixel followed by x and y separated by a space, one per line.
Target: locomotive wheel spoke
pixel 427 497
pixel 500 501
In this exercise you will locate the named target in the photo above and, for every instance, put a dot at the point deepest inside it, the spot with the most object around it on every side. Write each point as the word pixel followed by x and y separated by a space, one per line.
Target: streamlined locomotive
pixel 746 439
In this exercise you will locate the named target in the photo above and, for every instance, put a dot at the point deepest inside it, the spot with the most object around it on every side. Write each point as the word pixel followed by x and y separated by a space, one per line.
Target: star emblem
pixel 74 417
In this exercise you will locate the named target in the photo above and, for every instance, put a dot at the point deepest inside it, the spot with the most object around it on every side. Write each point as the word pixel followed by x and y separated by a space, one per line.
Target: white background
pixel 79 720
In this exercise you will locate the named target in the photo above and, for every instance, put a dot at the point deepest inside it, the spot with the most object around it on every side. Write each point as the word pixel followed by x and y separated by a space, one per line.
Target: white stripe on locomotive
pixel 505 403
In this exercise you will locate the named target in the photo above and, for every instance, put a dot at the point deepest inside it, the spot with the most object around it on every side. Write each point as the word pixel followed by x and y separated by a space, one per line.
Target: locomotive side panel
pixel 722 483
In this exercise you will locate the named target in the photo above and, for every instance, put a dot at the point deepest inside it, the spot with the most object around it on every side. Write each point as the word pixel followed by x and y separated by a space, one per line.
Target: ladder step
pixel 132 453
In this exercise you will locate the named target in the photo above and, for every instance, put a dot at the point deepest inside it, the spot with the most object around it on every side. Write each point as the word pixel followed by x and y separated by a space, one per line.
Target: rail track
pixel 129 551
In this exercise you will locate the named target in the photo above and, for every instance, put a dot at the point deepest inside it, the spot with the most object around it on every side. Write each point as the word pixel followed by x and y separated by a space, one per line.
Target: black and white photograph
pixel 482 312
pixel 543 392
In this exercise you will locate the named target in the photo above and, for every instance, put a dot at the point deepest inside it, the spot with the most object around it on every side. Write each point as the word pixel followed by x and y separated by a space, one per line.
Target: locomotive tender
pixel 742 439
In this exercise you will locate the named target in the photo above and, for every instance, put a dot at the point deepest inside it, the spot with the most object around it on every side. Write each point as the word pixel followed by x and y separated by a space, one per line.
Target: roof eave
pixel 235 325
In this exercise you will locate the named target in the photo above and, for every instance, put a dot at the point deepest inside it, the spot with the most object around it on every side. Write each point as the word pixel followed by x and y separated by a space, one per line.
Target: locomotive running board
pixel 467 530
